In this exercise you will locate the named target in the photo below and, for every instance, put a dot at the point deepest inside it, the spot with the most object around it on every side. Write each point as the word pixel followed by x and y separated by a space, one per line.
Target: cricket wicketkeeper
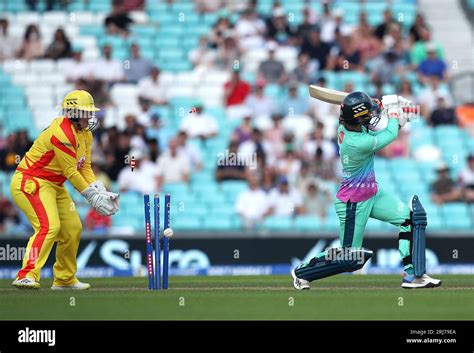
pixel 61 152
pixel 359 197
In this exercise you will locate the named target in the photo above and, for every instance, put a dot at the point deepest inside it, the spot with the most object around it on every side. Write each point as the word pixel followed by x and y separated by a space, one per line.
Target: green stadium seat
pixel 142 31
pixel 458 223
pixel 307 223
pixel 92 30
pixel 434 224
pixel 278 223
pixel 186 222
pixel 233 186
pixel 100 6
pixel 456 210
pixel 223 223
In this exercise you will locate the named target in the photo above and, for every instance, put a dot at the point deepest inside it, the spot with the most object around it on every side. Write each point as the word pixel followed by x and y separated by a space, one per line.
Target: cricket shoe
pixel 76 286
pixel 425 281
pixel 26 283
pixel 299 283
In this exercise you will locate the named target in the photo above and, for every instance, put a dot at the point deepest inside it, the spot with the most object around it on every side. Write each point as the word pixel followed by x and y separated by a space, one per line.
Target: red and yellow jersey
pixel 61 153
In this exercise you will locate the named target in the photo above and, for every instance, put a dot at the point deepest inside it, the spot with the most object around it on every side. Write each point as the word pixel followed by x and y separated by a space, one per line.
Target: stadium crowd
pixel 292 173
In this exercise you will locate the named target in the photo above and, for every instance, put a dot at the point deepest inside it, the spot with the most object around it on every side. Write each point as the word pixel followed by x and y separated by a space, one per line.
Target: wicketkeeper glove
pixel 100 202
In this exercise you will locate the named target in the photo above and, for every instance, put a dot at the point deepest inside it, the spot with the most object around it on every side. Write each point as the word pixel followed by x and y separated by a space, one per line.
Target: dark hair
pixel 31 28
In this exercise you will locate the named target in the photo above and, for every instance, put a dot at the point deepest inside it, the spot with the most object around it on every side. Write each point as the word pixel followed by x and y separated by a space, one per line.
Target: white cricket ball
pixel 168 232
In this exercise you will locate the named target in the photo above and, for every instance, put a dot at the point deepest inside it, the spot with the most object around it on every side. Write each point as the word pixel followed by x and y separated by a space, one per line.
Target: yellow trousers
pixel 54 218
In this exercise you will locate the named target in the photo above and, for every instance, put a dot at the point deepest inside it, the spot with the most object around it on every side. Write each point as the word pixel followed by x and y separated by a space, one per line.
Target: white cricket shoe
pixel 76 286
pixel 26 283
pixel 425 281
pixel 299 283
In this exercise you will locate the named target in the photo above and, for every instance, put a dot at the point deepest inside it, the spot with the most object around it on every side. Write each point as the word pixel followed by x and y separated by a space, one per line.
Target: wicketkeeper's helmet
pixel 79 104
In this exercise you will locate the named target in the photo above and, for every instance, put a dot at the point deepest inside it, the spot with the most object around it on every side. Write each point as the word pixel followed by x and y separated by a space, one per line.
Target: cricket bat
pixel 336 97
pixel 327 95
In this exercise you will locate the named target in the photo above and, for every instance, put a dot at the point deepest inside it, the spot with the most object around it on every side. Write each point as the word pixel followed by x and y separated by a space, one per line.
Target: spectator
pixel 289 166
pixel 106 68
pixel 152 88
pixel 153 148
pixel 294 104
pixel 32 45
pixel 228 53
pixel 305 27
pixel 9 217
pixel 204 6
pixel 386 68
pixel 278 29
pixel 77 69
pixel 429 95
pixel 60 47
pixel 259 104
pixel 243 132
pixel 146 111
pixel 399 148
pixel 138 67
pixel 14 150
pixel 252 205
pixel 305 71
pixel 220 30
pixel 419 51
pixel 443 115
pixel 235 90
pixel 117 155
pixel 199 124
pixel 315 200
pixel 159 131
pixel 444 189
pixel 315 48
pixel 97 223
pixel 97 168
pixel 144 177
pixel 231 165
pixel 346 57
pixel 327 24
pixel 316 141
pixel 466 179
pixel 250 29
pixel 189 151
pixel 333 25
pixel 367 44
pixel 284 202
pixel 203 56
pixel 405 90
pixel 272 70
pixel 417 28
pixel 117 22
pixel 274 139
pixel 172 166
pixel 8 43
pixel 255 145
pixel 432 66
pixel 383 28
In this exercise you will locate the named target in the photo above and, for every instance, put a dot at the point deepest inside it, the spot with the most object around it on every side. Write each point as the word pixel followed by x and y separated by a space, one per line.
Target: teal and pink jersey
pixel 357 157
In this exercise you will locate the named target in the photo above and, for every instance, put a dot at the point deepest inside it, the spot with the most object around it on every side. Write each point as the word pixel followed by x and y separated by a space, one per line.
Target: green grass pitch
pixel 344 297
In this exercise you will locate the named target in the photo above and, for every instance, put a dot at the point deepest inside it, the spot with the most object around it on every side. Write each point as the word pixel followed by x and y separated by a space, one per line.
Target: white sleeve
pixel 240 204
pixel 160 166
pixel 297 199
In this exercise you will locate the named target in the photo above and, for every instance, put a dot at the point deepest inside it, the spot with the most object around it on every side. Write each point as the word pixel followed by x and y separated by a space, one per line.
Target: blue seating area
pixel 204 204
pixel 14 112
